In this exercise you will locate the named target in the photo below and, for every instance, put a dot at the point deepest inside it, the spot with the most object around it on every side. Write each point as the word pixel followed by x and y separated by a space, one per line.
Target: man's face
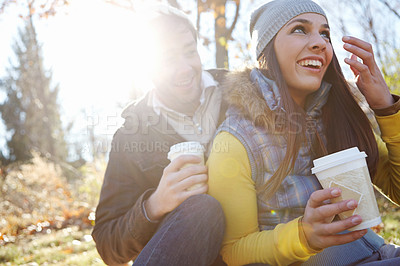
pixel 177 75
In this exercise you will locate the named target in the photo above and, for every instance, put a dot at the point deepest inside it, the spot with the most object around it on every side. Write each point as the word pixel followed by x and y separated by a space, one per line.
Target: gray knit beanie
pixel 268 19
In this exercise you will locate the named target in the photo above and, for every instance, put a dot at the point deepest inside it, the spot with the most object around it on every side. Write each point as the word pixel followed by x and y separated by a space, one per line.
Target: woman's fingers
pixel 354 70
pixel 341 239
pixel 361 49
pixel 317 223
pixel 318 197
pixel 338 226
pixel 333 209
pixel 369 80
pixel 358 68
pixel 358 42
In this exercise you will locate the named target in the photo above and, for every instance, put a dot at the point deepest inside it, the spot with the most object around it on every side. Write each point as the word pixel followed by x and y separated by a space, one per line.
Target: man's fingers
pixel 180 162
pixel 318 197
pixel 190 171
pixel 199 190
pixel 191 181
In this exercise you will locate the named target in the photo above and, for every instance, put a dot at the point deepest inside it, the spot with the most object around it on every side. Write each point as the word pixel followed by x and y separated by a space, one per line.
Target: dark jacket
pixel 138 157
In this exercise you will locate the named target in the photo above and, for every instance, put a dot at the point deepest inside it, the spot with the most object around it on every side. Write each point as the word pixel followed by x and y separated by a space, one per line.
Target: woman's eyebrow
pixel 301 20
pixel 305 21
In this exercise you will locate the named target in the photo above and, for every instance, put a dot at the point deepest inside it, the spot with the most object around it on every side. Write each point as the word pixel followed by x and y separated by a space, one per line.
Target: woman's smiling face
pixel 304 52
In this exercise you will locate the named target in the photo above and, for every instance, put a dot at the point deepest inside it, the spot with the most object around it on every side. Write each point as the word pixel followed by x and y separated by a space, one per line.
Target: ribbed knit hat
pixel 268 19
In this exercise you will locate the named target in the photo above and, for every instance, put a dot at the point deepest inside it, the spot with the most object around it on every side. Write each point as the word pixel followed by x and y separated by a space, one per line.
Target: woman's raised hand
pixel 369 78
pixel 317 223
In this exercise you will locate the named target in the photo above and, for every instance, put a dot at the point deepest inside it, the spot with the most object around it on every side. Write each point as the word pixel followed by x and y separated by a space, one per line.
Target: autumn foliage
pixel 36 197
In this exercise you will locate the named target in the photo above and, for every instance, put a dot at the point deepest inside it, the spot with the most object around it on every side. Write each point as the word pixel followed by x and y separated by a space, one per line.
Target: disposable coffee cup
pixel 188 148
pixel 348 171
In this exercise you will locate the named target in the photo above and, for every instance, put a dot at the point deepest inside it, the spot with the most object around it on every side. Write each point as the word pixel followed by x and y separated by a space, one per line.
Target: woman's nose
pixel 317 42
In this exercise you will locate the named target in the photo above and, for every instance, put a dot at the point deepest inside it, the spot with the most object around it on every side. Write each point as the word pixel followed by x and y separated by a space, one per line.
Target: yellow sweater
pixel 231 184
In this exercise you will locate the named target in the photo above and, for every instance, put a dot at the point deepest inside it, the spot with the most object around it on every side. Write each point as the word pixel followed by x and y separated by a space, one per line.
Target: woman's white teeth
pixel 184 82
pixel 312 63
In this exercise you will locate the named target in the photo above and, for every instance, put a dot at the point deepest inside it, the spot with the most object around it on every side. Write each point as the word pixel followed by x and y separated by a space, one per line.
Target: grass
pixel 68 246
pixel 45 218
pixel 390 227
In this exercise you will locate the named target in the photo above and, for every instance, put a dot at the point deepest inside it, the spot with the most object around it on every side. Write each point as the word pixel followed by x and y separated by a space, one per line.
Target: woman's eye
pixel 299 29
pixel 326 34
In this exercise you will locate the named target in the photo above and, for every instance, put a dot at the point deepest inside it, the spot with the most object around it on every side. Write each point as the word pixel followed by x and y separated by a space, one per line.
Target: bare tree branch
pixel 343 27
pixel 200 8
pixel 40 8
pixel 232 27
pixel 390 8
pixel 6 3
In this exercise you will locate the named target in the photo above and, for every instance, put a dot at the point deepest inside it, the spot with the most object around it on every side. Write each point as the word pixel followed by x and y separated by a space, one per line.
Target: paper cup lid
pixel 186 148
pixel 337 158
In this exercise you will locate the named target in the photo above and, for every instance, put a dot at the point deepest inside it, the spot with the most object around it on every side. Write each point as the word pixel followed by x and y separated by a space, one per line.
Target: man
pixel 145 212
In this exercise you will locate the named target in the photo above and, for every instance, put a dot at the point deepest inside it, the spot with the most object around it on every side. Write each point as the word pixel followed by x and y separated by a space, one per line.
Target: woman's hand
pixel 317 223
pixel 369 78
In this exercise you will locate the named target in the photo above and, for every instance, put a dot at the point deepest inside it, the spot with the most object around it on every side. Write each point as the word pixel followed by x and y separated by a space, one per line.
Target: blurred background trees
pixel 40 8
pixel 376 21
pixel 31 111
pixel 218 8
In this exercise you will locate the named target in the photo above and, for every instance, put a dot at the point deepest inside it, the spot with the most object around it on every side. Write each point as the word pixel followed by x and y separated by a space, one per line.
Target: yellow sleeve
pixel 388 174
pixel 231 184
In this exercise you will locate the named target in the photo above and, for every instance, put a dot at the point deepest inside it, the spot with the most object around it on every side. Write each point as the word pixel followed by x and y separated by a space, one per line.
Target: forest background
pixel 68 67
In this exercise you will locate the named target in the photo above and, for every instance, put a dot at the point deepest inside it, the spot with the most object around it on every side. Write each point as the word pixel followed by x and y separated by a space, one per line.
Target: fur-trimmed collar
pixel 257 98
pixel 244 95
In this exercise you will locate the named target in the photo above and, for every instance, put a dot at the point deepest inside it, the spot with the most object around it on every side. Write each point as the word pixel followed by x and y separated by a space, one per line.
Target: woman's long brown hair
pixel 345 124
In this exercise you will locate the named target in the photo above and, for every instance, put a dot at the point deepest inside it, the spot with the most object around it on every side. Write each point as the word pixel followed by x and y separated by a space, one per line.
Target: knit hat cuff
pixel 267 21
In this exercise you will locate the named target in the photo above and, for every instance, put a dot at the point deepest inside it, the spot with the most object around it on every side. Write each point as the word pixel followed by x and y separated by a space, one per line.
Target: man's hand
pixel 172 189
pixel 369 78
pixel 317 223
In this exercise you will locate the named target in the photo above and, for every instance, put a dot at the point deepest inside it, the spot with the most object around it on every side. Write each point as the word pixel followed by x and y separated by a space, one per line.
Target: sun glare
pixel 100 56
pixel 96 50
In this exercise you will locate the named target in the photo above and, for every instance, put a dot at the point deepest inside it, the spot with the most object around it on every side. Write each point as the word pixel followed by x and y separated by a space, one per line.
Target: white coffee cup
pixel 187 148
pixel 348 171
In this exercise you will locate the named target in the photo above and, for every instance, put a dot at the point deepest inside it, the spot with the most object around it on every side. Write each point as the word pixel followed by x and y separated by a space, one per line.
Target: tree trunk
pixel 221 41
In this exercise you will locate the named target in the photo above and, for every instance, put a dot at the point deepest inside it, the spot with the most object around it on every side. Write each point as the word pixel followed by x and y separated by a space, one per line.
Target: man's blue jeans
pixel 190 235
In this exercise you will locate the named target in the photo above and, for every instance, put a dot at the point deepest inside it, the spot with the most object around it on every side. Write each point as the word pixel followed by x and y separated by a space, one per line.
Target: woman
pixel 295 107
